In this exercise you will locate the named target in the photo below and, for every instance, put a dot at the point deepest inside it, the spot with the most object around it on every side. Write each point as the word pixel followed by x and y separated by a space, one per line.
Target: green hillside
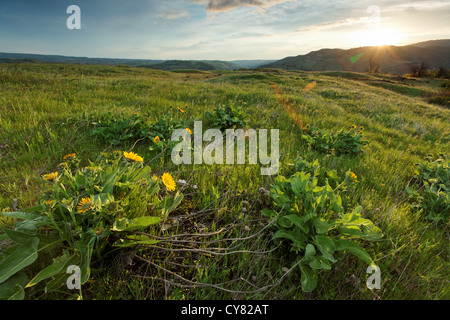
pixel 209 65
pixel 390 59
pixel 349 143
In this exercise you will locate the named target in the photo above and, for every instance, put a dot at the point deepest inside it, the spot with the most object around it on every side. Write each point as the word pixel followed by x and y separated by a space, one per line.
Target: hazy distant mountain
pixel 159 64
pixel 390 59
pixel 433 43
pixel 208 65
pixel 22 57
pixel 251 64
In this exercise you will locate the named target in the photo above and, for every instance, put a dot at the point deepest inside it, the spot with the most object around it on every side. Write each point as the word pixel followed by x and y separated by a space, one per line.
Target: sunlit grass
pixel 41 108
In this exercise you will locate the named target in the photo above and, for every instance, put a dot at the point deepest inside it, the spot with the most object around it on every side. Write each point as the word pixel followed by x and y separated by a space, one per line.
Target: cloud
pixel 227 5
pixel 174 15
pixel 419 6
pixel 335 24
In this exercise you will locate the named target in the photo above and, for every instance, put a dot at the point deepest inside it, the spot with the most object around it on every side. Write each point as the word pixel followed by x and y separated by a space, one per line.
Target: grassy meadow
pixel 217 243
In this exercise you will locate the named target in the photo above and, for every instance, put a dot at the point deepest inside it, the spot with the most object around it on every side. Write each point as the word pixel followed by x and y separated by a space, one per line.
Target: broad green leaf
pixel 354 225
pixel 110 181
pixel 17 236
pixel 22 215
pixel 140 173
pixel 11 287
pixel 284 234
pixel 351 230
pixel 133 240
pixel 310 251
pixel 317 189
pixel 300 237
pixel 322 226
pixel 53 269
pixel 100 198
pixel 285 223
pixel 269 213
pixel 120 224
pixel 170 204
pixel 142 222
pixel 19 293
pixel 308 278
pixel 355 249
pixel 298 182
pixel 299 222
pixel 332 174
pixel 133 224
pixel 58 281
pixel 37 208
pixel 326 246
pixel 20 258
pixel 34 224
pixel 319 262
pixel 85 247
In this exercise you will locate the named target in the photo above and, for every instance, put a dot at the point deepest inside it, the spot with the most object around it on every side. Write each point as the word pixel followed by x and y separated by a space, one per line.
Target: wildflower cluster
pixel 85 211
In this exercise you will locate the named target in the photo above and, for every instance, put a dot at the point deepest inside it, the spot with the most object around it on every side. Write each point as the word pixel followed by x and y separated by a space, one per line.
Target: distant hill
pixel 251 64
pixel 183 65
pixel 391 59
pixel 28 57
pixel 158 64
pixel 433 43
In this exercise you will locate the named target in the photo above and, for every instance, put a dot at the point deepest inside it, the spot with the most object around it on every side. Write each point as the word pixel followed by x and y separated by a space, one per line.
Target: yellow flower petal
pixel 84 205
pixel 133 156
pixel 168 181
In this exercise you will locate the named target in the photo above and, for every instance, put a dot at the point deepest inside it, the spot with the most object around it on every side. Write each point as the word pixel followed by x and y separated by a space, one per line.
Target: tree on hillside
pixel 419 70
pixel 373 66
pixel 442 73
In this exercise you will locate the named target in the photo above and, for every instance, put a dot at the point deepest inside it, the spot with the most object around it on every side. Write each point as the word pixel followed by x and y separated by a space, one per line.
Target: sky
pixel 215 29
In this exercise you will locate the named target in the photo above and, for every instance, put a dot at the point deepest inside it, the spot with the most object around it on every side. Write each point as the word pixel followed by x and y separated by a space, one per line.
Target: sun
pixel 378 37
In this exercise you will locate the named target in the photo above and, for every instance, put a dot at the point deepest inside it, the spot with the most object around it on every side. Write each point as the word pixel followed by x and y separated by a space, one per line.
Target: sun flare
pixel 379 37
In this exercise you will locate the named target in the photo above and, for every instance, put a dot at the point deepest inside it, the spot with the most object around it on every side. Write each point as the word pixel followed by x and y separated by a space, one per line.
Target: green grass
pixel 41 120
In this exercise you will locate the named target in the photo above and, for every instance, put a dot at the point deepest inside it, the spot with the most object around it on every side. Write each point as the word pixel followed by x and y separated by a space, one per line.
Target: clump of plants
pixel 119 129
pixel 442 97
pixel 86 212
pixel 429 189
pixel 341 142
pixel 311 218
pixel 227 116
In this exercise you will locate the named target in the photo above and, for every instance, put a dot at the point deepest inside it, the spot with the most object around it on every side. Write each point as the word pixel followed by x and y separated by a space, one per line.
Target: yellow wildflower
pixel 92 168
pixel 168 181
pixel 49 202
pixel 50 176
pixel 99 230
pixel 353 177
pixel 70 156
pixel 189 130
pixel 133 156
pixel 84 205
pixel 156 140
